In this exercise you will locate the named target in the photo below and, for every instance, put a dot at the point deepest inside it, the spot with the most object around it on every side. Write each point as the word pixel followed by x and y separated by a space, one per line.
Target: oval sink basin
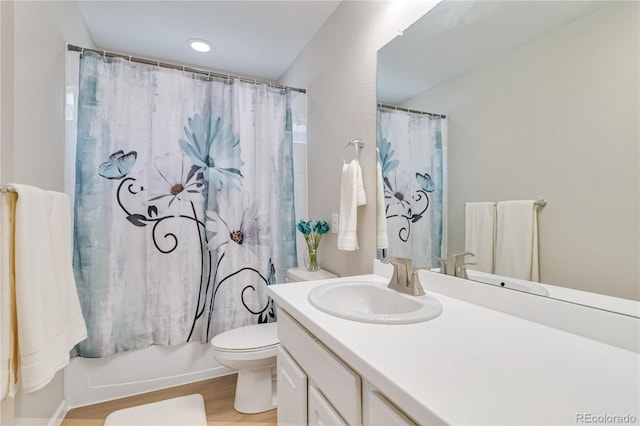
pixel 367 302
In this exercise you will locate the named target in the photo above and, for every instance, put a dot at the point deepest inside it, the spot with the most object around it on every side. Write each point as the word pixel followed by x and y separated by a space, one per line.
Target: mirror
pixel 542 102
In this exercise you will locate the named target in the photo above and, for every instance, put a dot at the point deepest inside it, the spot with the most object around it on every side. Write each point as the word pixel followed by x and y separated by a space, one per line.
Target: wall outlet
pixel 334 223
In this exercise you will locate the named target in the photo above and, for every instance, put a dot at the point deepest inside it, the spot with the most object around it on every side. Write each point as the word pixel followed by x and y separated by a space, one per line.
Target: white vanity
pixel 469 365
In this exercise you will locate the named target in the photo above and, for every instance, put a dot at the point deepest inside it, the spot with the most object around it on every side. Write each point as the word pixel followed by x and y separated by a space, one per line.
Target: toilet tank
pixel 301 274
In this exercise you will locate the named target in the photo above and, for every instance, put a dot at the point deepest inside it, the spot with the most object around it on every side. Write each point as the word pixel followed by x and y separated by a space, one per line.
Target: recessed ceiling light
pixel 200 45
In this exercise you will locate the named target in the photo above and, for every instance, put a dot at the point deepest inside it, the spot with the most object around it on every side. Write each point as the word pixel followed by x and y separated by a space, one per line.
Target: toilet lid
pixel 245 338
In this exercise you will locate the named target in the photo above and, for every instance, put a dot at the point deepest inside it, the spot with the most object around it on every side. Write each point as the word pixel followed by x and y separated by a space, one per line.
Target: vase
pixel 311 260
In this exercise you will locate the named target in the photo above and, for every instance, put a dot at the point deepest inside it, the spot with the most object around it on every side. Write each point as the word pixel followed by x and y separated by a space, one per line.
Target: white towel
pixel 361 198
pixel 50 321
pixel 479 233
pixel 348 221
pixel 8 323
pixel 517 240
pixel 381 214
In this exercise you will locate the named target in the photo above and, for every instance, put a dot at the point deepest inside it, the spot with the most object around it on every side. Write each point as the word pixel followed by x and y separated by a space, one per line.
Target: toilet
pixel 251 351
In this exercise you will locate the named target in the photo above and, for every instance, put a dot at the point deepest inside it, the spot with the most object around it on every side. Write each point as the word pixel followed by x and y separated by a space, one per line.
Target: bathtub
pixel 92 380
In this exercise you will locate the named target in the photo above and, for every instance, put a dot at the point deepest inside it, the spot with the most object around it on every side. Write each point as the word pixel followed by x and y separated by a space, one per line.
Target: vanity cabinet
pixel 379 411
pixel 316 387
pixel 292 391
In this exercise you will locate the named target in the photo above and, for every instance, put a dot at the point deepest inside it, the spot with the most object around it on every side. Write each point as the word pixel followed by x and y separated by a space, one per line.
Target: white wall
pixel 34 38
pixel 557 118
pixel 338 68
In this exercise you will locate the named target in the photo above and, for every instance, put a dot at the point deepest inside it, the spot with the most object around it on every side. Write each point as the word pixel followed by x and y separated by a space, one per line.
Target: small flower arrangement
pixel 313 232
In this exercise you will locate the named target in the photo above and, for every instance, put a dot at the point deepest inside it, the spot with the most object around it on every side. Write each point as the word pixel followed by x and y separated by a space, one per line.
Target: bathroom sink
pixel 368 302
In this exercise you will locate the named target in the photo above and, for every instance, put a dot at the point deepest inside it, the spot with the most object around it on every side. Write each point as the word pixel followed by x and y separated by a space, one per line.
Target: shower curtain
pixel 412 155
pixel 184 209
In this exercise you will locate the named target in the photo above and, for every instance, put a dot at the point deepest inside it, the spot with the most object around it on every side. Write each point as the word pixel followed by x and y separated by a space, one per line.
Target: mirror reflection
pixel 486 108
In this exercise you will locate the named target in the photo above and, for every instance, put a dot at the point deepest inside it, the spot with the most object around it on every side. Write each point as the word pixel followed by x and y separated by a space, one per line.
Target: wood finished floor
pixel 218 397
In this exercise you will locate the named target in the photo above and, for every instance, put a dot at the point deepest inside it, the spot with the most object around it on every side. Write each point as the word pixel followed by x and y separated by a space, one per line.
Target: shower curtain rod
pixel 183 68
pixel 411 110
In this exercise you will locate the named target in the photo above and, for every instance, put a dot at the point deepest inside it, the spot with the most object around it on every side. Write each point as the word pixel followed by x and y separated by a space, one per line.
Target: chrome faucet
pixel 459 264
pixel 405 278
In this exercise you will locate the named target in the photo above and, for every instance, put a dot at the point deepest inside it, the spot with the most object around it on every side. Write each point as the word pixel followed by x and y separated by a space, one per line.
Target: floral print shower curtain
pixel 412 155
pixel 184 209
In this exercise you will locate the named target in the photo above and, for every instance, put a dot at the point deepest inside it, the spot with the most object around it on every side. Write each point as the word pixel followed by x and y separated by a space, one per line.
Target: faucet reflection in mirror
pixel 412 155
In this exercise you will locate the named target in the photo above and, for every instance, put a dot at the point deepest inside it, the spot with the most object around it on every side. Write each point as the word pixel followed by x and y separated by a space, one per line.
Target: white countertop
pixel 474 365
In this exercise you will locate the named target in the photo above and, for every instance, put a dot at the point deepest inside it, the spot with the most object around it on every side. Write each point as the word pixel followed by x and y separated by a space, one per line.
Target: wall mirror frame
pixel 542 101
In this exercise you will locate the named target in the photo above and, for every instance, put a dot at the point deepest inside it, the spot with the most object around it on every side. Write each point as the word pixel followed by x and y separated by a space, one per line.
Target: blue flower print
pixel 385 155
pixel 216 149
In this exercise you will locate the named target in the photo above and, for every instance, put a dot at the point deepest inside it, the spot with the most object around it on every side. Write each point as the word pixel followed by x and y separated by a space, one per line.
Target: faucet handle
pixel 443 264
pixel 458 258
pixel 462 255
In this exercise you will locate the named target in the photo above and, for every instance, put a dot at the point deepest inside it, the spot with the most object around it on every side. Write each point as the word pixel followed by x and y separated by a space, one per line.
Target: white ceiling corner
pixel 260 39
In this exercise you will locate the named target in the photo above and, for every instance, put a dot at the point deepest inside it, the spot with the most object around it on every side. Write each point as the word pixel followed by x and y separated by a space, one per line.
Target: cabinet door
pixel 321 413
pixel 338 383
pixel 378 411
pixel 292 391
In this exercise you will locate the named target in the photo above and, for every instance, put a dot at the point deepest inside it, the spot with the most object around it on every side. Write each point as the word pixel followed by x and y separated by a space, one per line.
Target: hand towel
pixel 348 220
pixel 517 240
pixel 8 323
pixel 50 321
pixel 361 199
pixel 381 214
pixel 479 233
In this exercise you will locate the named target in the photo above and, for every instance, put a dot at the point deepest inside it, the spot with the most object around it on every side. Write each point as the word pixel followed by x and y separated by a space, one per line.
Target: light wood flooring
pixel 218 397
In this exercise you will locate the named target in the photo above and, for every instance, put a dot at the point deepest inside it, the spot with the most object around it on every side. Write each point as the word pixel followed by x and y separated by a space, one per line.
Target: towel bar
pixel 358 144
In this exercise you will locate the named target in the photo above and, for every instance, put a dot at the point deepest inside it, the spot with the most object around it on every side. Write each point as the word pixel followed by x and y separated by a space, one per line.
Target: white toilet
pixel 251 350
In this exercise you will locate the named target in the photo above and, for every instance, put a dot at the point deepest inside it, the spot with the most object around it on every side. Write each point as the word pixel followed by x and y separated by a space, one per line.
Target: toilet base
pixel 255 391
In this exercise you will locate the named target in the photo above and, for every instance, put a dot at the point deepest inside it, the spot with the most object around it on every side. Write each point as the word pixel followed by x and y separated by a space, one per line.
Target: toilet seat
pixel 251 338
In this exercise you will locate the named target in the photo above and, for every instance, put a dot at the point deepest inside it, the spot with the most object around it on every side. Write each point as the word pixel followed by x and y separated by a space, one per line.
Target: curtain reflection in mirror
pixel 412 155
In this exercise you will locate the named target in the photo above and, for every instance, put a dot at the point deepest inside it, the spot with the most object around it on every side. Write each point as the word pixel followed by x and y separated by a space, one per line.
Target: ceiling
pixel 258 39
pixel 458 35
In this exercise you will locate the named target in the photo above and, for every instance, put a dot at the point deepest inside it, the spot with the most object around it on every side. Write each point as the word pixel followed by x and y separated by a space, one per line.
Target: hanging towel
pixel 348 220
pixel 479 233
pixel 381 216
pixel 50 321
pixel 361 198
pixel 8 323
pixel 517 240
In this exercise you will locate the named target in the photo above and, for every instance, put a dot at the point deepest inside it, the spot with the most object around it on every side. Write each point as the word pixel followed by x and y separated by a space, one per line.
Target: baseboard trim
pixel 58 415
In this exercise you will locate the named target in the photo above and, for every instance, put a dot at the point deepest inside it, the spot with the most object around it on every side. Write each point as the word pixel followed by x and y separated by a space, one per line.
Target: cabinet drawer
pixel 321 413
pixel 380 412
pixel 340 385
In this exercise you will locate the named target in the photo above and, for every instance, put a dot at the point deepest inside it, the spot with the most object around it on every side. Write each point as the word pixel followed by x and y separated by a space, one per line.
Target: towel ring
pixel 357 144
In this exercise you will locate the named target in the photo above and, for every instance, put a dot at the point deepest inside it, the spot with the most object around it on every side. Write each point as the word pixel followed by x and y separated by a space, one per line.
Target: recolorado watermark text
pixel 590 418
